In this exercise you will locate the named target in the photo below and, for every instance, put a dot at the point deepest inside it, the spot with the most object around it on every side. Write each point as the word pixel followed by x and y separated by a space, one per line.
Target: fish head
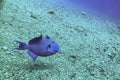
pixel 52 47
pixel 43 46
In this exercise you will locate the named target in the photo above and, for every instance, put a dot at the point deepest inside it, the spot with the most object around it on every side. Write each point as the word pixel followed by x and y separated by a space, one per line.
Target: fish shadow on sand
pixel 41 66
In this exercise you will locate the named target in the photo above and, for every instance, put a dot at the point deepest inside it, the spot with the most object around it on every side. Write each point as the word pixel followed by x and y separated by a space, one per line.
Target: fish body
pixel 39 46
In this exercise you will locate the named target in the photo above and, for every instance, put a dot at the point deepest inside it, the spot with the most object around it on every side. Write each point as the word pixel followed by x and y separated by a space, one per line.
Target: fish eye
pixel 49 46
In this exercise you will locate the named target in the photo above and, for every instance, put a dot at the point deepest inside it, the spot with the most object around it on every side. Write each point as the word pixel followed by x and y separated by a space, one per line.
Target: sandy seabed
pixel 90 47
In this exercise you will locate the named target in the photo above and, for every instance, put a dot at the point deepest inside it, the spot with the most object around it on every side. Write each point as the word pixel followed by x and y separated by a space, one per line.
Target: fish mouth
pixel 56 49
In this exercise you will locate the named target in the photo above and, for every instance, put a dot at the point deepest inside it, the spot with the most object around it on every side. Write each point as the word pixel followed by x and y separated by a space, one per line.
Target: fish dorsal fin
pixel 47 37
pixel 35 40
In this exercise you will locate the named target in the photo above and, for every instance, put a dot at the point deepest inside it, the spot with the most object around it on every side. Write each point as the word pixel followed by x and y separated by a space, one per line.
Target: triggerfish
pixel 39 46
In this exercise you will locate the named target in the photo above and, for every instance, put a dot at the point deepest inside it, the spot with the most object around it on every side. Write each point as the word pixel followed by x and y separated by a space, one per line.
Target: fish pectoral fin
pixel 32 55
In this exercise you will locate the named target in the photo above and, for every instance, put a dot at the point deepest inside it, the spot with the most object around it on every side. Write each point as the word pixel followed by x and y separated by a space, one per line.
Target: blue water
pixel 105 8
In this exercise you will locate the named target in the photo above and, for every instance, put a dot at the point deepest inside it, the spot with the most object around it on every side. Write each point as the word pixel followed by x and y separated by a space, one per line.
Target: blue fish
pixel 39 46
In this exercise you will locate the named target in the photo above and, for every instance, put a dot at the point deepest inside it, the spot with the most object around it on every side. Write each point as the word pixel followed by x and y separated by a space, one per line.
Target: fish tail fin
pixel 22 46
